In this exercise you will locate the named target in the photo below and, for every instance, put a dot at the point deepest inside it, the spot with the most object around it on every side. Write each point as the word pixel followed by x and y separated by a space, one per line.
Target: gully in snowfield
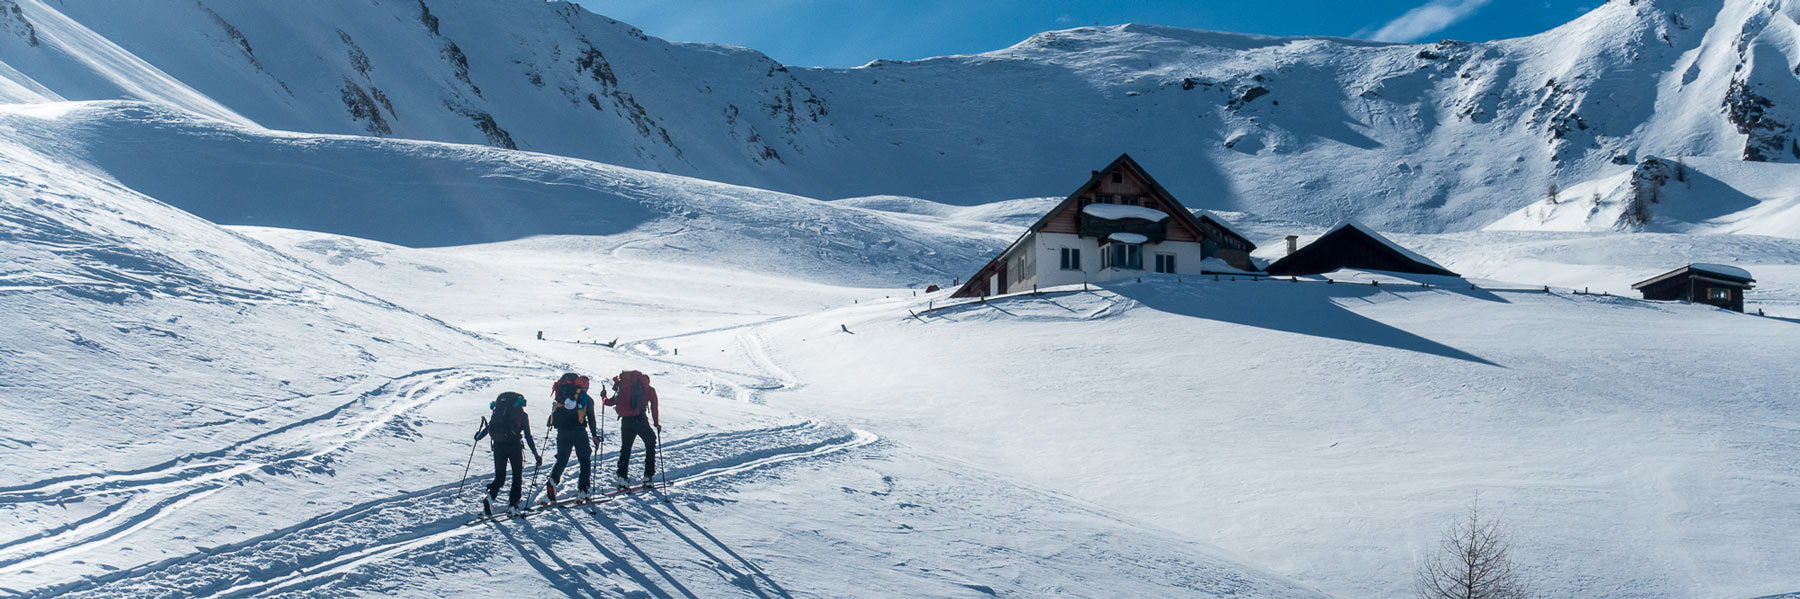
pixel 507 426
pixel 573 412
pixel 633 395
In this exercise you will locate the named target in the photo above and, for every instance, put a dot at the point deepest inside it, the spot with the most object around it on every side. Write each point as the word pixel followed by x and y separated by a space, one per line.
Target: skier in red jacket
pixel 632 397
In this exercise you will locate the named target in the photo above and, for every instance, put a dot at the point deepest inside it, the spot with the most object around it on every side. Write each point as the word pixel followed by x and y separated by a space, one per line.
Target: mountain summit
pixel 1415 137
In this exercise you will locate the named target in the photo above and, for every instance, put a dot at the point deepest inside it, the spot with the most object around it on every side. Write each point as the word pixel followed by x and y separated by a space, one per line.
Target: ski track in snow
pixel 433 521
pixel 325 548
pixel 162 490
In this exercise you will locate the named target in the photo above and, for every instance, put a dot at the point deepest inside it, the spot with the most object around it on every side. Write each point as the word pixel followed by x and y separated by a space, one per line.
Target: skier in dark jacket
pixel 632 398
pixel 507 426
pixel 573 413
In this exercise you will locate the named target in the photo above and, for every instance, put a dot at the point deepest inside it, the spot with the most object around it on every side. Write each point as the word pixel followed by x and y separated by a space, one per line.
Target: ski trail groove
pixel 128 517
pixel 307 556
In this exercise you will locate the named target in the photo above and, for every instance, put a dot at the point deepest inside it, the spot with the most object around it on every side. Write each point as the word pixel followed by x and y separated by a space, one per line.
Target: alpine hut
pixel 1714 284
pixel 1353 245
pixel 1118 224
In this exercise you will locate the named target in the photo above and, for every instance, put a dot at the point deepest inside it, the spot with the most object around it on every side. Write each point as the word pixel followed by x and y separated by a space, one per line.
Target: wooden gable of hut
pixel 1124 183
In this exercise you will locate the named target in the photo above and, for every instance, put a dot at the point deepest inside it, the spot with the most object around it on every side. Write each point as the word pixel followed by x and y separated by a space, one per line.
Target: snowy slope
pixel 1699 195
pixel 195 414
pixel 1419 138
pixel 116 301
pixel 424 194
pixel 1329 432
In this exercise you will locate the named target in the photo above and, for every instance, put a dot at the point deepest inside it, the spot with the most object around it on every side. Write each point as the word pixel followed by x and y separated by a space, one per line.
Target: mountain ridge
pixel 1439 137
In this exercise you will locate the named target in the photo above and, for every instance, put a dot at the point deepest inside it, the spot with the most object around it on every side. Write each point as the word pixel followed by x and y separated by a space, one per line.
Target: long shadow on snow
pixel 618 561
pixel 614 529
pixel 747 581
pixel 1302 308
pixel 565 580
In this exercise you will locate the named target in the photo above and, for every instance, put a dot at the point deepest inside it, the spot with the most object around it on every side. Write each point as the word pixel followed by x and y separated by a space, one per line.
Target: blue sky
pixel 842 33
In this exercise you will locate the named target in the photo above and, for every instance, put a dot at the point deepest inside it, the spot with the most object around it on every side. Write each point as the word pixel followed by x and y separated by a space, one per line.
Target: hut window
pixel 1128 255
pixel 1071 258
pixel 1719 293
pixel 1165 263
pixel 1118 177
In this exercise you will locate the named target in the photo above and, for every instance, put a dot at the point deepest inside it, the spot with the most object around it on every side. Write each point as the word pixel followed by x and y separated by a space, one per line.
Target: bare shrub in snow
pixel 1474 561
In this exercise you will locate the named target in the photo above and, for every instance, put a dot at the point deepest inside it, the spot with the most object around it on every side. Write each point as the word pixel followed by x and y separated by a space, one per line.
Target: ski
pixel 592 503
pixel 632 489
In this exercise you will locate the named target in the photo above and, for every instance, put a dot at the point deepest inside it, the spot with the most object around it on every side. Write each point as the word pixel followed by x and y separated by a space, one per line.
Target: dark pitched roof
pixel 1125 161
pixel 1713 272
pixel 1315 258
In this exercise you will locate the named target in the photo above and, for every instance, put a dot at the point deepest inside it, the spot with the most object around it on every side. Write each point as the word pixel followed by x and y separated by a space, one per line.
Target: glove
pixel 540 458
pixel 596 440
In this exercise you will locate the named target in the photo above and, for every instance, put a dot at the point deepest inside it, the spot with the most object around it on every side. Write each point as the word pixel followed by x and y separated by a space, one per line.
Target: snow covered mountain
pixel 1446 136
pixel 263 265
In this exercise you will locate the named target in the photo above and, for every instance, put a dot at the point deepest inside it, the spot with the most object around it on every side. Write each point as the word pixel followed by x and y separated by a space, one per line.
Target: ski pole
pixel 472 445
pixel 539 465
pixel 663 457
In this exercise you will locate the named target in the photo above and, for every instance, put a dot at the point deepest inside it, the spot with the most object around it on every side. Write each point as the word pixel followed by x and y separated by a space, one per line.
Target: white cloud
pixel 1427 19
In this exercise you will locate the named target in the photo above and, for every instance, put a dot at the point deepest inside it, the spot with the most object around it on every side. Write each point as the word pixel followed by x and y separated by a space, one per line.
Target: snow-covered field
pixel 244 362
pixel 213 415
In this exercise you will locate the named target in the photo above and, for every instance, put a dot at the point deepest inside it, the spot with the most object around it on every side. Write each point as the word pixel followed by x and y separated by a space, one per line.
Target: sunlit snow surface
pixel 244 362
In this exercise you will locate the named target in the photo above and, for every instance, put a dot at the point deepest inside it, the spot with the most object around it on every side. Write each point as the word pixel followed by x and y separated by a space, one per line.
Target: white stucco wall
pixel 1048 250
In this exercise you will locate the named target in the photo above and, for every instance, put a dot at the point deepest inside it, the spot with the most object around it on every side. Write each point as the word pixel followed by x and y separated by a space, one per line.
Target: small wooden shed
pixel 1713 284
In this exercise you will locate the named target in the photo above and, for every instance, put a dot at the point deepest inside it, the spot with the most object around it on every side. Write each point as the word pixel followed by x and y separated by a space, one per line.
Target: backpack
pixel 570 386
pixel 632 386
pixel 509 414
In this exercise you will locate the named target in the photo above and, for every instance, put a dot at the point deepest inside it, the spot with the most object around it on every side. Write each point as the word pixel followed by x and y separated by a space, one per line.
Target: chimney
pixel 1093 175
pixel 1293 243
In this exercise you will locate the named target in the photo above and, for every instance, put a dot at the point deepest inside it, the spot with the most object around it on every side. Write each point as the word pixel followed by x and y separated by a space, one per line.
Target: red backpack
pixel 634 392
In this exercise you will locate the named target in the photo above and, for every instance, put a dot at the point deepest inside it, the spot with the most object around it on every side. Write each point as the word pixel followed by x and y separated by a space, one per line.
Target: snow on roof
pixel 1389 243
pixel 1730 271
pixel 1123 237
pixel 1218 266
pixel 1223 224
pixel 1118 211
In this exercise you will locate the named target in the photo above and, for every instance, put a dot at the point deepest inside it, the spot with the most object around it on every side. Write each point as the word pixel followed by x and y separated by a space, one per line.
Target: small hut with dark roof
pixel 1713 284
pixel 1353 245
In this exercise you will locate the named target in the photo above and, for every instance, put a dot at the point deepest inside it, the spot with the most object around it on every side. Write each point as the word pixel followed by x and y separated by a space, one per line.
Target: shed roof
pixel 1730 275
